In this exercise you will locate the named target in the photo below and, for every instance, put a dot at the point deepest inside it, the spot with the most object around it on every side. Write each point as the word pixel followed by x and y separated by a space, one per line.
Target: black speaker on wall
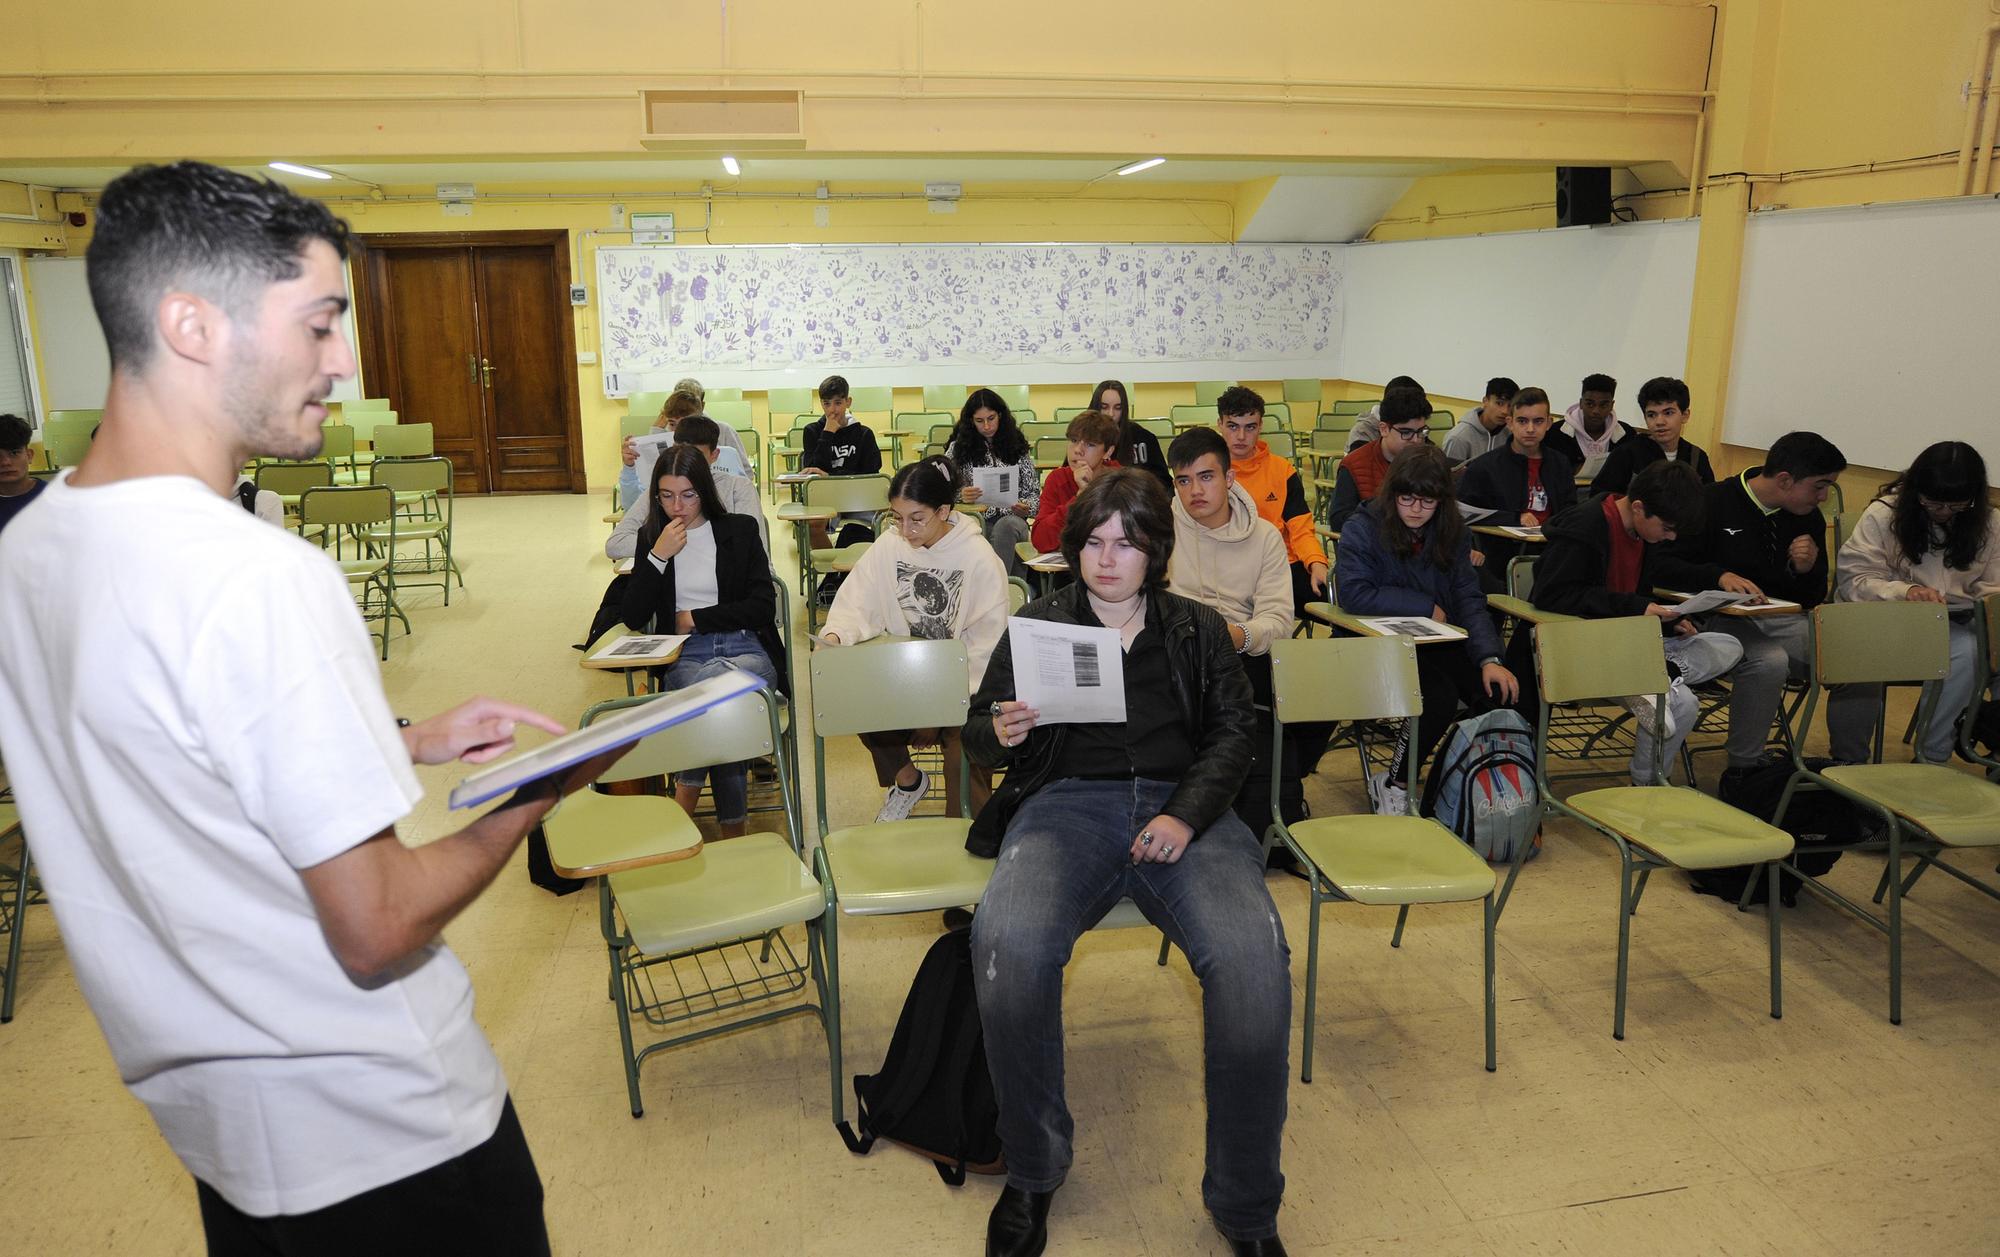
pixel 1583 195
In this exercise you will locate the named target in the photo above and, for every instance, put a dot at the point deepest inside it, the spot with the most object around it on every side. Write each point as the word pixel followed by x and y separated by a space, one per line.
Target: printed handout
pixel 1069 673
pixel 998 486
pixel 1421 627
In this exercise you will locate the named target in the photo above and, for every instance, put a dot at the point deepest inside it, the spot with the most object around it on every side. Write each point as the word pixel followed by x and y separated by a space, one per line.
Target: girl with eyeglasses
pixel 1408 552
pixel 931 576
pixel 1931 535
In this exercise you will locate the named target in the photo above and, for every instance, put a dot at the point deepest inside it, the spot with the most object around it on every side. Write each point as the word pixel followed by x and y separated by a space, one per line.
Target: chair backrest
pixel 1206 391
pixel 1184 414
pixel 1034 430
pixel 721 395
pixel 1521 576
pixel 1584 660
pixel 1304 393
pixel 1333 421
pixel 1278 414
pixel 1353 406
pixel 336 441
pixel 1323 679
pixel 1161 428
pixel 1015 395
pixel 1442 420
pixel 67 442
pixel 293 478
pixel 647 403
pixel 1051 449
pixel 364 403
pixel 731 414
pixel 1880 642
pixel 367 422
pixel 404 440
pixel 1024 414
pixel 925 420
pixel 635 425
pixel 889 683
pixel 790 401
pixel 90 418
pixel 1063 414
pixel 1989 613
pixel 944 396
pixel 877 399
pixel 340 505
pixel 413 475
pixel 1279 442
pixel 742 728
pixel 849 493
pixel 1018 594
pixel 940 434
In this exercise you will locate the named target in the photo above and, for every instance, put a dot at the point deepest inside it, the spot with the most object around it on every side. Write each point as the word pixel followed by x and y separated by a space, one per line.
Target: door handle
pixel 486 372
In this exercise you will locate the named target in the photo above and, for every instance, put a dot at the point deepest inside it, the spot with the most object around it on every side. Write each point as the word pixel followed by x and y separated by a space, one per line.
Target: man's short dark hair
pixel 1502 387
pixel 1595 383
pixel 1237 400
pixel 223 236
pixel 1803 455
pixel 1402 381
pixel 833 388
pixel 1663 388
pixel 1189 446
pixel 1531 396
pixel 1139 501
pixel 1400 405
pixel 15 435
pixel 698 430
pixel 1671 492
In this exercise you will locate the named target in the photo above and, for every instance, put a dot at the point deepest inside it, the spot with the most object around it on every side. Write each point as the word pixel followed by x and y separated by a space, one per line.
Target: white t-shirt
pixel 192 712
pixel 695 583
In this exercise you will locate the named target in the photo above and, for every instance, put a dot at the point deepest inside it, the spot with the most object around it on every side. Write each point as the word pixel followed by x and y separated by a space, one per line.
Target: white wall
pixel 1542 307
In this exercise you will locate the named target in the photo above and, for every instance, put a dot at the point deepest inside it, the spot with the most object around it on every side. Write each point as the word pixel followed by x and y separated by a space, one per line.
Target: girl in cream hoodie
pixel 933 576
pixel 1930 536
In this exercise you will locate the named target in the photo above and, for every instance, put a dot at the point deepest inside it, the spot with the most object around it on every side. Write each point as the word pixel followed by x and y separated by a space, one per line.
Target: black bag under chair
pixel 1816 818
pixel 933 1094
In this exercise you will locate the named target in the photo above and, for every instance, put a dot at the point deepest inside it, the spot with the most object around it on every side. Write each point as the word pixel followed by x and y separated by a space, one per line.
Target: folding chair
pixel 1206 391
pixel 945 396
pixel 647 404
pixel 1654 826
pixel 1987 619
pixel 352 512
pixel 423 491
pixel 18 889
pixel 1399 860
pixel 709 916
pixel 1926 809
pixel 1015 395
pixel 848 495
pixel 1305 397
pixel 404 440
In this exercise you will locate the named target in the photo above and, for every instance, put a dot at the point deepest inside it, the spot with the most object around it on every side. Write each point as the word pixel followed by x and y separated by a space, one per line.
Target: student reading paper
pixel 986 436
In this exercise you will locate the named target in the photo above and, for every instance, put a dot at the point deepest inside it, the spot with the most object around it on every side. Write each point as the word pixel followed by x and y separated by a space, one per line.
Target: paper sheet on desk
pixel 1709 600
pixel 999 487
pixel 1069 673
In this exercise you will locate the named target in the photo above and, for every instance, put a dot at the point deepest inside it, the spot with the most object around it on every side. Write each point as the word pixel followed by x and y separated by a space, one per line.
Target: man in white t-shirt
pixel 196 731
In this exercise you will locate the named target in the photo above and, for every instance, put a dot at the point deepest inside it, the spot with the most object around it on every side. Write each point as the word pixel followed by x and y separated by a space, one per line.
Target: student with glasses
pixel 1406 422
pixel 1931 535
pixel 1408 553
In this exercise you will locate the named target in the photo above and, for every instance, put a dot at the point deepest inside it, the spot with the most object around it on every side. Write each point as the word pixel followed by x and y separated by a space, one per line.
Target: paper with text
pixel 1069 673
pixel 998 486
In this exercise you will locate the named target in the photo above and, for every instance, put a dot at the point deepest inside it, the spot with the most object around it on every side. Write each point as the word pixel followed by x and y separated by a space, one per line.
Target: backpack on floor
pixel 1482 785
pixel 1816 818
pixel 933 1094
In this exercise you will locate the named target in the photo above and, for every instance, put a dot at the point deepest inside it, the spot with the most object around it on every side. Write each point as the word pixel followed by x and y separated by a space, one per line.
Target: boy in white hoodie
pixel 1232 559
pixel 933 576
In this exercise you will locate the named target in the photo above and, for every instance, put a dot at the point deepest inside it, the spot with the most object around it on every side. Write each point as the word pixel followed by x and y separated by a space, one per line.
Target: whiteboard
pixel 1876 325
pixel 765 316
pixel 1543 308
pixel 77 367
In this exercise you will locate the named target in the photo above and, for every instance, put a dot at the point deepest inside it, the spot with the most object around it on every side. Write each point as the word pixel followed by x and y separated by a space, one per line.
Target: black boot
pixel 1019 1225
pixel 1272 1247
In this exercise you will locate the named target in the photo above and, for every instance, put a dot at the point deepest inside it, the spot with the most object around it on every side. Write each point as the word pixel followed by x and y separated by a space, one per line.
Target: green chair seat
pixel 1394 859
pixel 592 833
pixel 1684 828
pixel 917 865
pixel 1956 808
pixel 822 558
pixel 407 531
pixel 742 888
pixel 359 570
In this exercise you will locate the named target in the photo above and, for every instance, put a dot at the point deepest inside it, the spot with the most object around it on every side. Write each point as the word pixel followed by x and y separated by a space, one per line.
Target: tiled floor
pixel 1710 1129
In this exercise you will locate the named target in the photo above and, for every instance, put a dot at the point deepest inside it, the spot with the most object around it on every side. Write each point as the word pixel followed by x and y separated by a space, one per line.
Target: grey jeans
pixel 1774 648
pixel 1703 657
pixel 1853 710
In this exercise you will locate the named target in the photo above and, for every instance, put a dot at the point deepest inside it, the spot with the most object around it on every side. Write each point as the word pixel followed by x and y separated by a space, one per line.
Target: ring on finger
pixel 1167 851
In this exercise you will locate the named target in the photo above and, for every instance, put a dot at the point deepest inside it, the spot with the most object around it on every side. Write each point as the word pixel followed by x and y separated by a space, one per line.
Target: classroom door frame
pixel 369 262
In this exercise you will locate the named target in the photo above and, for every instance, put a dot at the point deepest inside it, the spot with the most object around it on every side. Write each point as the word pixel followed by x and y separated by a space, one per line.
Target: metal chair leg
pixel 1624 942
pixel 1894 872
pixel 1402 915
pixel 1777 967
pixel 625 1029
pixel 1312 981
pixel 12 977
pixel 1492 1028
pixel 1639 887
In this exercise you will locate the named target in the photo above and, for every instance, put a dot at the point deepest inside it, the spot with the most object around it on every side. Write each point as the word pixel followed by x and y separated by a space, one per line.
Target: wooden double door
pixel 471 332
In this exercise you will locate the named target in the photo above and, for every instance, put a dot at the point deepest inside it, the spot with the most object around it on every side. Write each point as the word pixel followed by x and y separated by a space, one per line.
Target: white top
pixel 695 583
pixel 192 713
pixel 954 587
pixel 739 497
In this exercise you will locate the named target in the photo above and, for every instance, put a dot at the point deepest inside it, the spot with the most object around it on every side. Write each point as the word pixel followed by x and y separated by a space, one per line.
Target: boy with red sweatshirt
pixel 1092 436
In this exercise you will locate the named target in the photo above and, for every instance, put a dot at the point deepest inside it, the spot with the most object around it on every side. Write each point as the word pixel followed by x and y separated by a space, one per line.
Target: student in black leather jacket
pixel 1093 813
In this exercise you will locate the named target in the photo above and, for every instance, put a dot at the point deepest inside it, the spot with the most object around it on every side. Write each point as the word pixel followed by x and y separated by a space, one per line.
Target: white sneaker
pixel 1389 799
pixel 1642 707
pixel 899 802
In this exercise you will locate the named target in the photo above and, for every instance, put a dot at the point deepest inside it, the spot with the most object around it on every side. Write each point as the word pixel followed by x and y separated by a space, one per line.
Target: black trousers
pixel 486 1201
pixel 1448 677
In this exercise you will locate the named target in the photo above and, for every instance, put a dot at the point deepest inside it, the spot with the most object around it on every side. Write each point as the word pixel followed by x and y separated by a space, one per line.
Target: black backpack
pixel 933 1095
pixel 1816 818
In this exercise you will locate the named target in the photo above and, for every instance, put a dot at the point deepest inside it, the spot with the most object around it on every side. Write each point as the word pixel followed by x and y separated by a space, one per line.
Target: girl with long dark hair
pixel 1136 446
pixel 1931 535
pixel 702 571
pixel 987 436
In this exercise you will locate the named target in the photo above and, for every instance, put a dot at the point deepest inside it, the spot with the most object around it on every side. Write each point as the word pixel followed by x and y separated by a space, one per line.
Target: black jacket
pixel 1571 566
pixel 1736 536
pixel 1209 685
pixel 1628 458
pixel 849 452
pixel 743 576
pixel 1139 448
pixel 1498 479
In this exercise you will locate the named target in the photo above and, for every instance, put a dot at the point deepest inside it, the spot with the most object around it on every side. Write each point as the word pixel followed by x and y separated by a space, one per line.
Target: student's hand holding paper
pixel 629 451
pixel 474 731
pixel 1012 722
pixel 971 493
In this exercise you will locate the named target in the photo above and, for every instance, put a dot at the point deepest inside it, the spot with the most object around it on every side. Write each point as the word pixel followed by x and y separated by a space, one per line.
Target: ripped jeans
pixel 1064 862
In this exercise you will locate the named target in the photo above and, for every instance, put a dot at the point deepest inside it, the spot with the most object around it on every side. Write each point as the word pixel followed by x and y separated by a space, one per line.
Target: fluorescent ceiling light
pixel 730 164
pixel 295 169
pixel 1138 166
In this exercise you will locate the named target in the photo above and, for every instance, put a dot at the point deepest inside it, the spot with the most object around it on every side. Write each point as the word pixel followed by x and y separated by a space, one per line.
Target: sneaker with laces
pixel 1389 799
pixel 900 802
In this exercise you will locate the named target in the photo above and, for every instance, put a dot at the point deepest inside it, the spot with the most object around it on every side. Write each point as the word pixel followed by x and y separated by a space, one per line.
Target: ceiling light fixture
pixel 1138 166
pixel 731 165
pixel 295 169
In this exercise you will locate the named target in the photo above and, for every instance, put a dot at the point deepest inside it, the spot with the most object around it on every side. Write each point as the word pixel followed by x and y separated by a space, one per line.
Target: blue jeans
pixel 704 656
pixel 1065 861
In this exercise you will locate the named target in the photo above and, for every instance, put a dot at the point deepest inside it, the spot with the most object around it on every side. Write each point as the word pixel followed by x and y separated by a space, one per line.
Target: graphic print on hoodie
pixel 929 598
